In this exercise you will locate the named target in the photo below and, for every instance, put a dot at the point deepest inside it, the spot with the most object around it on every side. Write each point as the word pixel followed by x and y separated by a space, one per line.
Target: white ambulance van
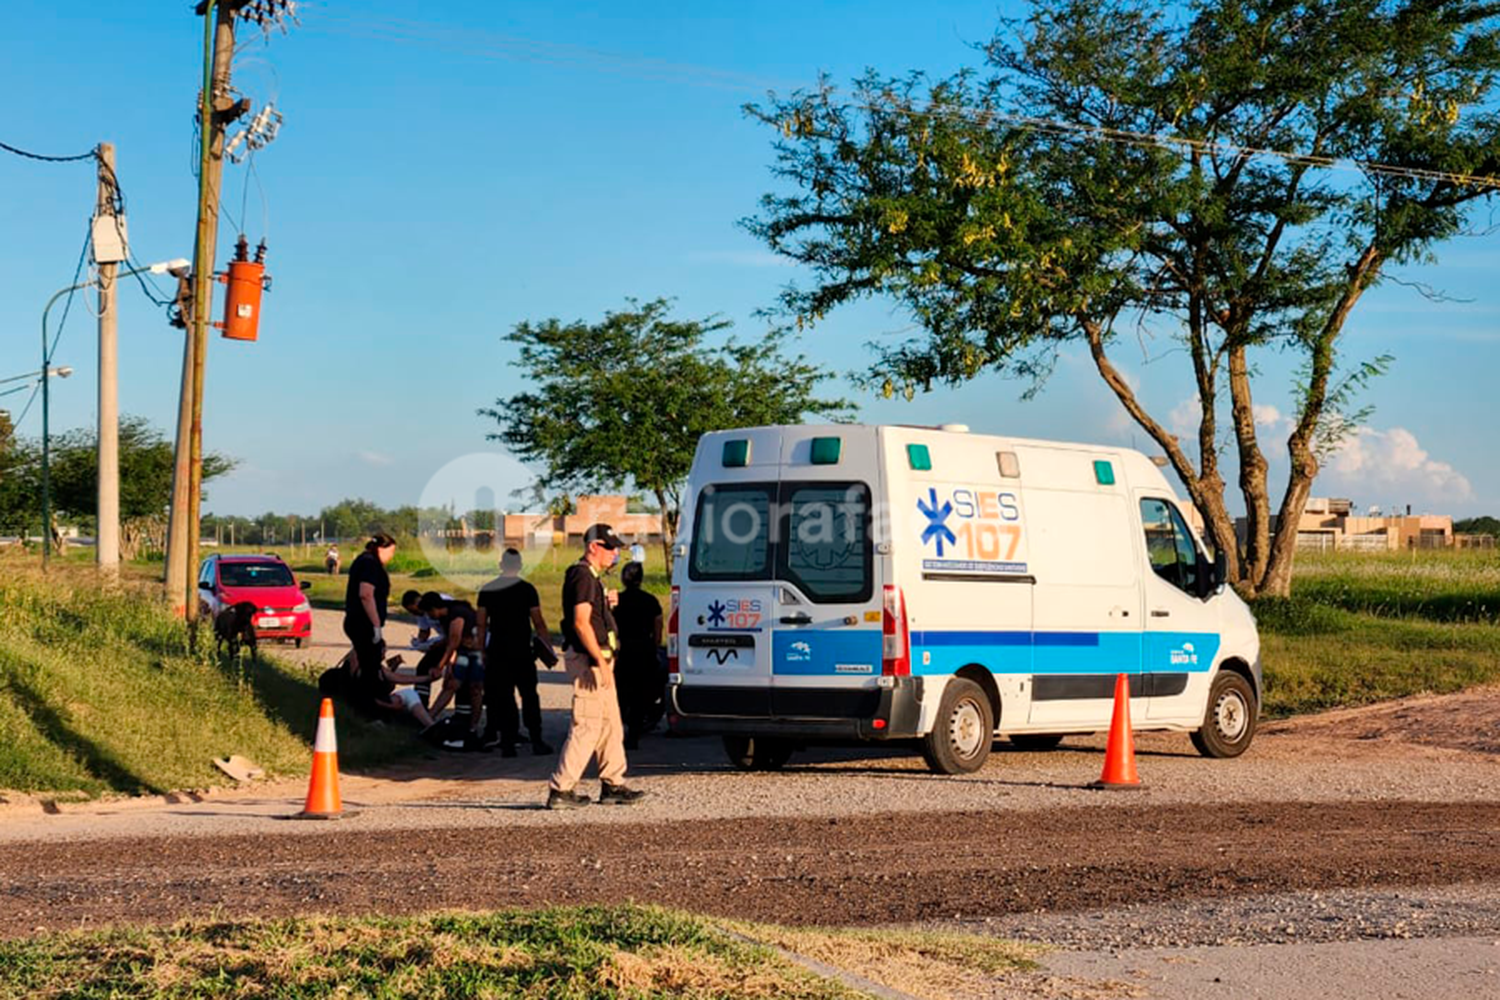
pixel 893 583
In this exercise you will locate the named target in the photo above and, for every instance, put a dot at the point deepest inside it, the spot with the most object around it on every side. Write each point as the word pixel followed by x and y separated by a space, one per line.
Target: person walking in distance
pixel 509 608
pixel 331 559
pixel 589 645
pixel 365 599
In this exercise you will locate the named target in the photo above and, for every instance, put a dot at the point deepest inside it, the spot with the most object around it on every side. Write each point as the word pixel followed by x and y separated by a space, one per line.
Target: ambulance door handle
pixel 797 619
pixel 1119 612
pixel 1160 613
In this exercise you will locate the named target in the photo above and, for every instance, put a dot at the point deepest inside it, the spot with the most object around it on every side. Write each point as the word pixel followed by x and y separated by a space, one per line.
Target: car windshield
pixel 248 574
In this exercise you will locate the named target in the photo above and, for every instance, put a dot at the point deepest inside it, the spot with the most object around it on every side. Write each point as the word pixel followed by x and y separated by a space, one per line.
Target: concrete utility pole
pixel 216 110
pixel 107 536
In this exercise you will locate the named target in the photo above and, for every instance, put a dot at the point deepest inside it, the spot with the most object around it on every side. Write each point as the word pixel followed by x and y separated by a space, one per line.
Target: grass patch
pixel 936 964
pixel 1362 628
pixel 100 692
pixel 584 952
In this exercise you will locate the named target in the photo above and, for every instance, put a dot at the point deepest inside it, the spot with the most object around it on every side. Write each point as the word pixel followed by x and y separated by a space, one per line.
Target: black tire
pixel 296 643
pixel 960 740
pixel 757 753
pixel 1229 723
pixel 1035 741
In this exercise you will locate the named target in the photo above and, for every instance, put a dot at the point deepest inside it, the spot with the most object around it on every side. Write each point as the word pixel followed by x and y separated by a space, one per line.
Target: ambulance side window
pixel 732 533
pixel 825 546
pixel 1169 545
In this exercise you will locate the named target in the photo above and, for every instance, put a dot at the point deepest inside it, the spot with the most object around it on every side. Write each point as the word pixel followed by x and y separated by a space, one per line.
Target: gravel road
pixel 1337 846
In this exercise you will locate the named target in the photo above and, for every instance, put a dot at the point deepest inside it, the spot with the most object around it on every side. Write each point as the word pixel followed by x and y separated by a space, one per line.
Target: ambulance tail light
pixel 895 656
pixel 672 662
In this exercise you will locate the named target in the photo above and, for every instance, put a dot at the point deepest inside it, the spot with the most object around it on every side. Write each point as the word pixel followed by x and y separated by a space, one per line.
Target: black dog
pixel 234 627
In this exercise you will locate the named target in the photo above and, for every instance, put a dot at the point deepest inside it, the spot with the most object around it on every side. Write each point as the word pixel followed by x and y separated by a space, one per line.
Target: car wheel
pixel 1035 741
pixel 1229 722
pixel 960 741
pixel 297 643
pixel 757 753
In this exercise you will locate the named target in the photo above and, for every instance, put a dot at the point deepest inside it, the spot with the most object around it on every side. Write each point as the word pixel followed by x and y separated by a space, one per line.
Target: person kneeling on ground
pixel 462 668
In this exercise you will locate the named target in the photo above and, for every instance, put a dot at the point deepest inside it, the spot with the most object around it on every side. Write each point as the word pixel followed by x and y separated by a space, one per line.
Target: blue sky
pixel 446 171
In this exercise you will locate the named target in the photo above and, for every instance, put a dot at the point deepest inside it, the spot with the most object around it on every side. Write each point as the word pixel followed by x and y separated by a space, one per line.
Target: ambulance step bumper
pixel 814 713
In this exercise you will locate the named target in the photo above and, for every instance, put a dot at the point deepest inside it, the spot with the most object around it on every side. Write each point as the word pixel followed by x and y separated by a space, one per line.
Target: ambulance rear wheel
pixel 1229 723
pixel 757 753
pixel 960 740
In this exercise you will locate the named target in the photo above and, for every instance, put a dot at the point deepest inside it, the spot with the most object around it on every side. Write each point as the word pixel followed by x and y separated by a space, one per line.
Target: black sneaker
pixel 619 795
pixel 566 800
pixel 541 748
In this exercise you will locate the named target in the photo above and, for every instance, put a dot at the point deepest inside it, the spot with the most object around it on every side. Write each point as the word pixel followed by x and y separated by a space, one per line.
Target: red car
pixel 281 609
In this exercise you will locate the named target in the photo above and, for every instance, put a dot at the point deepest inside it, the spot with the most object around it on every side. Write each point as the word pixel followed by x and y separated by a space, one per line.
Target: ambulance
pixel 929 586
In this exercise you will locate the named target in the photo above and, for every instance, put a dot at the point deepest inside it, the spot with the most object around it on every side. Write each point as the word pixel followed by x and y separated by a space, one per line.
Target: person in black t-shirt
pixel 365 599
pixel 461 666
pixel 509 608
pixel 638 676
pixel 590 644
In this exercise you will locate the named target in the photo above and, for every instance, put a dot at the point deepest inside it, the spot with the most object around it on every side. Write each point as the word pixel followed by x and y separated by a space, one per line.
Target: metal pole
pixel 107 534
pixel 46 442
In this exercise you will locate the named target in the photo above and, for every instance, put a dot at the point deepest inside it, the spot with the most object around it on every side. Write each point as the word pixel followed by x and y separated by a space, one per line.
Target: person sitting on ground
pixel 461 667
pixel 638 683
pixel 396 697
pixel 509 608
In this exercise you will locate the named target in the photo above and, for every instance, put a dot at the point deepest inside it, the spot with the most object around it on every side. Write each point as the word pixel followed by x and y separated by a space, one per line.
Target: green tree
pixel 1105 176
pixel 622 402
pixel 1485 525
pixel 146 463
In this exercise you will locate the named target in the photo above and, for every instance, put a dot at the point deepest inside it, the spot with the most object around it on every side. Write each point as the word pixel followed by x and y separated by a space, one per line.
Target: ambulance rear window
pixel 826 548
pixel 732 533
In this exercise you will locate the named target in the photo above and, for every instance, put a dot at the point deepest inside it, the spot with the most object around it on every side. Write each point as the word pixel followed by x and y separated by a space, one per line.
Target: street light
pixel 161 267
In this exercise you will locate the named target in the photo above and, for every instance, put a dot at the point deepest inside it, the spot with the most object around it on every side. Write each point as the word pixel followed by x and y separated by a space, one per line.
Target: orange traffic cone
pixel 323 790
pixel 1119 754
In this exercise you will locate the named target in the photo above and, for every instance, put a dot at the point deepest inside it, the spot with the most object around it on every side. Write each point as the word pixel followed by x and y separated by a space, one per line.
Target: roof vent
pixel 954 428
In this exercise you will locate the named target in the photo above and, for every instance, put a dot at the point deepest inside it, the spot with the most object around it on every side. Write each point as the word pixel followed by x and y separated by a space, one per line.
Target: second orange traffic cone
pixel 1119 753
pixel 323 790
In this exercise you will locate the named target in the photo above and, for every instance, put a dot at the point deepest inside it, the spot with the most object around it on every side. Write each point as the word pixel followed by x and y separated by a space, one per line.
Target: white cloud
pixel 374 458
pixel 1185 417
pixel 1266 415
pixel 1392 466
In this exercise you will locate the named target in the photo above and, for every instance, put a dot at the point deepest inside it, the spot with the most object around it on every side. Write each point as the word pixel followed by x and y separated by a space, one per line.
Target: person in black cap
pixel 590 641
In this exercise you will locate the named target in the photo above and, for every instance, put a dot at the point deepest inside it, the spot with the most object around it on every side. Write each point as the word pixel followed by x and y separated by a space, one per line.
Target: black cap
pixel 604 535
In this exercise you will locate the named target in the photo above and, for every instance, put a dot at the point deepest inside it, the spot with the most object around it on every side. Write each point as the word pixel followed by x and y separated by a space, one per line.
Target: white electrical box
pixel 110 243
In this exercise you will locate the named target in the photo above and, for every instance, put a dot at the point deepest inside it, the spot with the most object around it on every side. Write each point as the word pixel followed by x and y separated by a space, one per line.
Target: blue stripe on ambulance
pixel 1021 652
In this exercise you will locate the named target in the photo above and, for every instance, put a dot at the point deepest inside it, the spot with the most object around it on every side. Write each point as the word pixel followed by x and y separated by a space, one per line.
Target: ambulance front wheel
pixel 757 753
pixel 1229 723
pixel 960 739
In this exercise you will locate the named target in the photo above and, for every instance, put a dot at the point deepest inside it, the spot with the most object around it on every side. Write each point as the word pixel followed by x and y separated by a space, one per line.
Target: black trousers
pixel 506 674
pixel 371 656
pixel 638 688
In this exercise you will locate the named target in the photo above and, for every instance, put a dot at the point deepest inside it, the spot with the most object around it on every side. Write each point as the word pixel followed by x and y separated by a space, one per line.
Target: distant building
pixel 1328 524
pixel 541 529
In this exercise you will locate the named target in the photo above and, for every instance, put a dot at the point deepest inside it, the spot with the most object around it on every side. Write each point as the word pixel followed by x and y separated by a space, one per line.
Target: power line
pixel 91 154
pixel 505 48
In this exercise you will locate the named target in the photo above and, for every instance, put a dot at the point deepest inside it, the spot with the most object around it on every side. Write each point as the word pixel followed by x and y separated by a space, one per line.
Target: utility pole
pixel 216 110
pixel 107 534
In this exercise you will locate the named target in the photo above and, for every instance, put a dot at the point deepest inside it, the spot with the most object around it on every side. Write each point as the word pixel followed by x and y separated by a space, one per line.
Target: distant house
pixel 533 530
pixel 1329 524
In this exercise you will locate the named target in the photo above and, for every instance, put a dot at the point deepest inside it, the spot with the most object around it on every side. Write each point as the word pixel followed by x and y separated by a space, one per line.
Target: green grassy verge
pixel 100 692
pixel 589 952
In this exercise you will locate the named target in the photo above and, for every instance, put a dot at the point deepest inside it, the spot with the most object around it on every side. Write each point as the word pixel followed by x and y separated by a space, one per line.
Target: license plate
pixel 269 623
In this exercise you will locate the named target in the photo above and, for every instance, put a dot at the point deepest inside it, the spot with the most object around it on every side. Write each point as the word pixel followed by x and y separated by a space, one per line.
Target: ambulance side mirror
pixel 1212 576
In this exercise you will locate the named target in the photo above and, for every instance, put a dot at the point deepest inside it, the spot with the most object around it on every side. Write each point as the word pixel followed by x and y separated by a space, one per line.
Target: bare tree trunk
pixel 1253 467
pixel 1207 494
pixel 668 529
pixel 1302 445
